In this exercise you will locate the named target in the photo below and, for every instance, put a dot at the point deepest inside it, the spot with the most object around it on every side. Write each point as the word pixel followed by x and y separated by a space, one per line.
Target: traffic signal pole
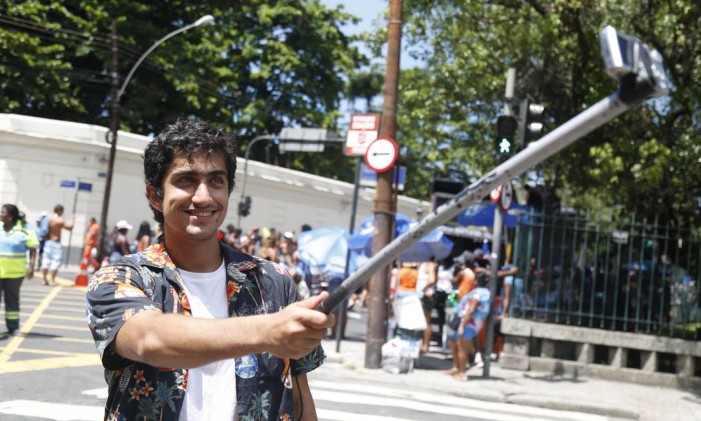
pixel 385 207
pixel 496 239
pixel 648 79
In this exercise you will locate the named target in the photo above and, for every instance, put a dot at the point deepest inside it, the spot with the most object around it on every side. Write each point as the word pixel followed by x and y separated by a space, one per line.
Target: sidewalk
pixel 613 399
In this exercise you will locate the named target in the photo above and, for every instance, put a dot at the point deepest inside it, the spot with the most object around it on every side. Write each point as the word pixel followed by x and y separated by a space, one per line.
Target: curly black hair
pixel 12 211
pixel 187 137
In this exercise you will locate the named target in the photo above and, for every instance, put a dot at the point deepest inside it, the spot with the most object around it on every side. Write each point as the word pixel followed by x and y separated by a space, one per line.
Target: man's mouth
pixel 200 213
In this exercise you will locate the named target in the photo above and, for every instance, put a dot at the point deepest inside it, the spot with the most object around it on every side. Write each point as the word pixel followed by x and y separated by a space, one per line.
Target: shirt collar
pixel 157 256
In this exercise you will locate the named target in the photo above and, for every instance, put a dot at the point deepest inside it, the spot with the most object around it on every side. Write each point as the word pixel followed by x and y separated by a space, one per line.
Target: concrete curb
pixel 572 405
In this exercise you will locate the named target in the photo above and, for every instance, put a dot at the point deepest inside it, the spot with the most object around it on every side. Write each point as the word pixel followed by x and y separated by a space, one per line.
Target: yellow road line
pixel 63 327
pixel 84 341
pixel 59 317
pixel 27 326
pixel 68 309
pixel 69 304
pixel 43 352
pixel 76 360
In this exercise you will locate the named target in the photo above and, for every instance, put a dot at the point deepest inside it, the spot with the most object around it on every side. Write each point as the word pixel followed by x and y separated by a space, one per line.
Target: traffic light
pixel 245 206
pixel 530 122
pixel 506 136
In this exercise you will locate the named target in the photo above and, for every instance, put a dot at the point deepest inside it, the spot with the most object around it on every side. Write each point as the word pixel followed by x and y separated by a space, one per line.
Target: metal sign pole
pixel 70 233
pixel 340 329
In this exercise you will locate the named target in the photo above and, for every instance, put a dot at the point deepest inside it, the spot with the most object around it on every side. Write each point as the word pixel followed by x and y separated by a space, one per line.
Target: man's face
pixel 195 196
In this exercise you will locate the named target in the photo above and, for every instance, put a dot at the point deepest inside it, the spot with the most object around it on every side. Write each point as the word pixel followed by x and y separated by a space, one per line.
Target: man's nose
pixel 201 193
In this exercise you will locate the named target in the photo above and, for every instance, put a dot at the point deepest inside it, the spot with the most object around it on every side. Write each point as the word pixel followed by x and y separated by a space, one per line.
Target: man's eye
pixel 219 180
pixel 186 179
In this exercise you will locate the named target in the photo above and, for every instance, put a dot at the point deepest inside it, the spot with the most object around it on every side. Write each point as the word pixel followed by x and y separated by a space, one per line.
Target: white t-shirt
pixel 444 280
pixel 211 389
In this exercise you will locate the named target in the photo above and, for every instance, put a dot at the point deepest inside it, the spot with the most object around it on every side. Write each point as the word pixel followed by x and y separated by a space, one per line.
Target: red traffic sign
pixel 362 131
pixel 381 154
pixel 495 195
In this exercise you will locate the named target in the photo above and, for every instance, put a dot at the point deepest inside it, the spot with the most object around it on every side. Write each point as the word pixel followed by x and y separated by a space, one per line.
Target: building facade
pixel 38 156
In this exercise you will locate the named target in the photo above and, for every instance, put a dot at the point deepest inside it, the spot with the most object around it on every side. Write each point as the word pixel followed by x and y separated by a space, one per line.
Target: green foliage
pixel 646 160
pixel 262 66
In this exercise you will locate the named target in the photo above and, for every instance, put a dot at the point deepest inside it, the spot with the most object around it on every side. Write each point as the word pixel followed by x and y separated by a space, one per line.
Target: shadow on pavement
pixel 554 378
pixel 40 335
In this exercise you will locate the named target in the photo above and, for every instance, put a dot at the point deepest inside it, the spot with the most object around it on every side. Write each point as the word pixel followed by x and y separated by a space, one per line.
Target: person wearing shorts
pixel 51 259
pixel 473 309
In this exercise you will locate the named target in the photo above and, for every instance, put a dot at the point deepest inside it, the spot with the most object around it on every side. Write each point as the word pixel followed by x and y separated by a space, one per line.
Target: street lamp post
pixel 245 171
pixel 116 111
pixel 293 135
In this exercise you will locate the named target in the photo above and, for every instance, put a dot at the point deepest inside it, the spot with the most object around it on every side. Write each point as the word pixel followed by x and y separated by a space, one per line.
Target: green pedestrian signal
pixel 507 126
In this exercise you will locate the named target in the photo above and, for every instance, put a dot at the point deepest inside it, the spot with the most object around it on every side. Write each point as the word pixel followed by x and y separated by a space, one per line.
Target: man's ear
pixel 153 198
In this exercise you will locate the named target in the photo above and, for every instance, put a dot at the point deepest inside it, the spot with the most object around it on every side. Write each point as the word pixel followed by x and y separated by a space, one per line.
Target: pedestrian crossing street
pixel 336 401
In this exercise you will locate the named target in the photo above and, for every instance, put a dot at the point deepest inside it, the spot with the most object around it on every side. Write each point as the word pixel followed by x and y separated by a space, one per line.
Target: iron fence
pixel 633 276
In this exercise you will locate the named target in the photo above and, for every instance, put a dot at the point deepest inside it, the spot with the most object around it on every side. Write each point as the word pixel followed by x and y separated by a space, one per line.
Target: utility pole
pixel 385 207
pixel 114 128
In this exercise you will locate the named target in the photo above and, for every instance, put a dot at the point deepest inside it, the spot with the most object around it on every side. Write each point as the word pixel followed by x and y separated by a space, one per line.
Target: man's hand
pixel 30 271
pixel 299 328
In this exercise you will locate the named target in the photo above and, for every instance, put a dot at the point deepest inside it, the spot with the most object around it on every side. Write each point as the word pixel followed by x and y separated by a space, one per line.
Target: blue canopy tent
pixel 326 249
pixel 482 215
pixel 435 243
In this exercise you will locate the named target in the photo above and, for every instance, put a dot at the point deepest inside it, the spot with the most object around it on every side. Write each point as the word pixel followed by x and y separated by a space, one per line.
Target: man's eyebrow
pixel 193 172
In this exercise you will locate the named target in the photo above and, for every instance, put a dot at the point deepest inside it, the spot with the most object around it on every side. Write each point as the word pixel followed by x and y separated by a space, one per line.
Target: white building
pixel 37 154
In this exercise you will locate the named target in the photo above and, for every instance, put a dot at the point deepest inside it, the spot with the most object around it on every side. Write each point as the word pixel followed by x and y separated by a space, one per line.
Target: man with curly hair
pixel 190 328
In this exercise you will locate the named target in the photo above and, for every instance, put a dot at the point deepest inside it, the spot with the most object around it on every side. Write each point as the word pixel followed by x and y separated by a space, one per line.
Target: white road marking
pixel 437 403
pixel 52 411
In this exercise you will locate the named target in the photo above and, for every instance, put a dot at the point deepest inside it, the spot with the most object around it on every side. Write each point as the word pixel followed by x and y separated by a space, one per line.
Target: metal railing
pixel 633 276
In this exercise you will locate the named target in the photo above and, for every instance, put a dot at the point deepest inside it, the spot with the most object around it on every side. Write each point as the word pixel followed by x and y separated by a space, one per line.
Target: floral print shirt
pixel 149 281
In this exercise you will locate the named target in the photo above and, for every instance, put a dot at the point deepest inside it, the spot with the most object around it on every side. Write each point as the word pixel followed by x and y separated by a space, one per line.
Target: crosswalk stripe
pixel 52 411
pixel 100 392
pixel 331 415
pixel 449 405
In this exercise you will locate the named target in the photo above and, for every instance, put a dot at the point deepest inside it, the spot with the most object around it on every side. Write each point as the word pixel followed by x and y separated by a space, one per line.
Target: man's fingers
pixel 313 302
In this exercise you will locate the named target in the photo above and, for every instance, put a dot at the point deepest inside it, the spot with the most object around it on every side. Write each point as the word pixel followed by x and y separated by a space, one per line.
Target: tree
pixel 264 65
pixel 448 108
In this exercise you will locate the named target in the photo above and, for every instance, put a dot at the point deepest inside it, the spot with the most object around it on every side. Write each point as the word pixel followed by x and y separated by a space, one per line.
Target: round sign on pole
pixel 381 154
pixel 507 196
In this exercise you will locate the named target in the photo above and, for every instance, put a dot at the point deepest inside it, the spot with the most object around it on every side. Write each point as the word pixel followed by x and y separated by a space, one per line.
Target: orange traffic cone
pixel 81 280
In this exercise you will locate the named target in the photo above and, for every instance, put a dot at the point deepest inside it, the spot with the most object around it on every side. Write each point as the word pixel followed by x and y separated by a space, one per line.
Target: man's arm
pixel 304 409
pixel 432 277
pixel 69 225
pixel 474 301
pixel 32 262
pixel 178 341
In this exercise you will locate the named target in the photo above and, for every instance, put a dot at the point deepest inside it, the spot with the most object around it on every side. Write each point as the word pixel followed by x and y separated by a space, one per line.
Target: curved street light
pixel 114 126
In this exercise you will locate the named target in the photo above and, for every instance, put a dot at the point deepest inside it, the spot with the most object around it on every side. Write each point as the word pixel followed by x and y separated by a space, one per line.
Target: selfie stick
pixel 639 79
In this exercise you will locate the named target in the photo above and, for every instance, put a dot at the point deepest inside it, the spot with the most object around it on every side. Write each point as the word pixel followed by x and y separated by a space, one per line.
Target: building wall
pixel 36 154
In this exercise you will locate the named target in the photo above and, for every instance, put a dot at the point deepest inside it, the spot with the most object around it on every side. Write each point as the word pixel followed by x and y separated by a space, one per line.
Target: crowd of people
pixel 463 281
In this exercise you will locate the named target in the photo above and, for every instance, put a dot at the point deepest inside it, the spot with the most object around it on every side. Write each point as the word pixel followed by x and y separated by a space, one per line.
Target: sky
pixel 368 11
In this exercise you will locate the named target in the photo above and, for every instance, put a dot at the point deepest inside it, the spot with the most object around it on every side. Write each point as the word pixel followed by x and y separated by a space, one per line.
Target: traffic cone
pixel 81 280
